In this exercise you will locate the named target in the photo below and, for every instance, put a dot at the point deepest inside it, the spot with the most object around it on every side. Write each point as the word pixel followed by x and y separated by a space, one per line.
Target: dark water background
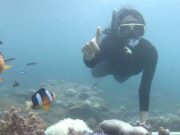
pixel 52 33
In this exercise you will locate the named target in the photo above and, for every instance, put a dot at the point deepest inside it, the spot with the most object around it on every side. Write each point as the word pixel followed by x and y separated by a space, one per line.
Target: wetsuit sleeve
pixel 100 56
pixel 150 62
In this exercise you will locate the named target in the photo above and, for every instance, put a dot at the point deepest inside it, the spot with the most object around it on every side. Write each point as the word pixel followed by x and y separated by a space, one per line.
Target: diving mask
pixel 131 30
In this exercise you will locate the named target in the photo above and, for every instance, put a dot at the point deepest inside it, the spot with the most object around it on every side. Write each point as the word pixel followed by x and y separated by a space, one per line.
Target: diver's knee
pixel 95 74
pixel 120 79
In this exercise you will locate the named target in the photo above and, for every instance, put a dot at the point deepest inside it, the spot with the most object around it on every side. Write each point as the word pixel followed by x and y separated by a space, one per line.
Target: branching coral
pixel 13 123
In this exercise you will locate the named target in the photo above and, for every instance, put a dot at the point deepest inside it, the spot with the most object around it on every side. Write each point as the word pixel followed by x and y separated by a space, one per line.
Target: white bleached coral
pixel 62 127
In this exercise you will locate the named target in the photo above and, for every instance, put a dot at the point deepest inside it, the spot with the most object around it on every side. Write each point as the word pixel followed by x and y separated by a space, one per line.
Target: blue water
pixel 52 33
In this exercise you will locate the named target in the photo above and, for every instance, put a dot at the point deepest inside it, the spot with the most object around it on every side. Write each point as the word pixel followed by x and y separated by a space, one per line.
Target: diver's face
pixel 130 28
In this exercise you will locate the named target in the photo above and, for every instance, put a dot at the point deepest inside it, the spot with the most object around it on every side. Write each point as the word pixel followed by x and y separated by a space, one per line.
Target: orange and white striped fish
pixel 42 98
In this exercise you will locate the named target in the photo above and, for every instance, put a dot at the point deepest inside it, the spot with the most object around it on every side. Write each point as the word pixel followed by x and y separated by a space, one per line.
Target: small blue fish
pixel 15 84
pixel 31 63
pixel 95 84
pixel 10 59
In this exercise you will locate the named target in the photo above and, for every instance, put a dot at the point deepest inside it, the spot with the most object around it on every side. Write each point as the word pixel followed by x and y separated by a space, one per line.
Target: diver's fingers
pixel 94 46
pixel 85 52
pixel 87 55
pixel 91 47
pixel 88 48
pixel 98 35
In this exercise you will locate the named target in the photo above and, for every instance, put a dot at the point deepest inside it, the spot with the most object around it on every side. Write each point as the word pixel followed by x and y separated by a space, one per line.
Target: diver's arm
pixel 149 68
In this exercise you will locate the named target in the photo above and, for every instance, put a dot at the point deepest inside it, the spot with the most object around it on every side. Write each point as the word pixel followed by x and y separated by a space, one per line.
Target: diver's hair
pixel 118 17
pixel 121 14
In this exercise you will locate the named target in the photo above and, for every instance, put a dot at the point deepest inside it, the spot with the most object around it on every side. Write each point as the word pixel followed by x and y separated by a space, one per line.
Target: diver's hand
pixel 92 48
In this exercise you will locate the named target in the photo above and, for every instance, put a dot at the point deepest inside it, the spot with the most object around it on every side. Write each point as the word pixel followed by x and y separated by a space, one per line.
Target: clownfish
pixel 3 66
pixel 41 99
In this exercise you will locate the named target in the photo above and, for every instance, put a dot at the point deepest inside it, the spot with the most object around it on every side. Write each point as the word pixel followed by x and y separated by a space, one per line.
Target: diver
pixel 41 98
pixel 123 52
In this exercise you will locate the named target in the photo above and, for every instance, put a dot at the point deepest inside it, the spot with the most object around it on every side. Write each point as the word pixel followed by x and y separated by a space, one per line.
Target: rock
pixel 84 95
pixel 117 127
pixel 70 92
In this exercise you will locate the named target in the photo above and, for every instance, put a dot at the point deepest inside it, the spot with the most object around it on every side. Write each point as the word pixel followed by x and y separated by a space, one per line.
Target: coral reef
pixel 12 122
pixel 107 127
pixel 78 102
pixel 170 121
pixel 89 104
pixel 68 127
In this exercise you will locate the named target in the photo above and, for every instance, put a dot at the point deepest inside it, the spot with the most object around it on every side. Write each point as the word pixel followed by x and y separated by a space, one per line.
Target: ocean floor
pixel 88 103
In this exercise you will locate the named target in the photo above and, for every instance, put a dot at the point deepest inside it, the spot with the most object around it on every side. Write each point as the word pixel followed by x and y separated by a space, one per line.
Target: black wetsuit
pixel 114 59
